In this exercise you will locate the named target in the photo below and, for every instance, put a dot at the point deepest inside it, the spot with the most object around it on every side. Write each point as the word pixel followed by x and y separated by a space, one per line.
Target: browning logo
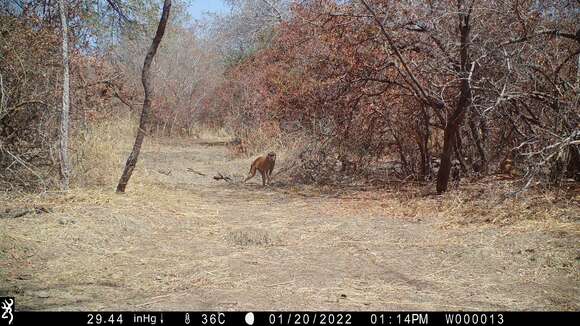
pixel 7 306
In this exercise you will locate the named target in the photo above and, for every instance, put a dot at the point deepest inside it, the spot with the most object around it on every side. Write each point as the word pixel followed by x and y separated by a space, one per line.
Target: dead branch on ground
pixel 220 176
pixel 196 172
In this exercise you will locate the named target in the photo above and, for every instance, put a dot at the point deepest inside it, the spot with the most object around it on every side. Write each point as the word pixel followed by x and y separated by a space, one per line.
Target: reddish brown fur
pixel 264 164
pixel 507 167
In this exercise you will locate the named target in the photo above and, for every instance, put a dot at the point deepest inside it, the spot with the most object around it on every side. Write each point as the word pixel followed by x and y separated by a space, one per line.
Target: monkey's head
pixel 272 156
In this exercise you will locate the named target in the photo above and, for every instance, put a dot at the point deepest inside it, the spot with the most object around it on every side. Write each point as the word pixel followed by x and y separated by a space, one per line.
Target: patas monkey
pixel 264 164
pixel 507 167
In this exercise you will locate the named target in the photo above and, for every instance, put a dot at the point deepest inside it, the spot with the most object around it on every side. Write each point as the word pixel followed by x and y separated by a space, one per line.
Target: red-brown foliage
pixel 330 73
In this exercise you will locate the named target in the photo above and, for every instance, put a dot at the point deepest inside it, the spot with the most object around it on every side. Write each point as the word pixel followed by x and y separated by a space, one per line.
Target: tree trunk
pixel 456 118
pixel 477 139
pixel 146 80
pixel 423 134
pixel 445 167
pixel 64 118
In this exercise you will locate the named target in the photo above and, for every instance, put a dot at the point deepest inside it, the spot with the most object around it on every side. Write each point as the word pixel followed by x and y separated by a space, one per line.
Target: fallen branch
pixel 235 141
pixel 220 176
pixel 19 212
pixel 196 172
pixel 24 164
pixel 278 284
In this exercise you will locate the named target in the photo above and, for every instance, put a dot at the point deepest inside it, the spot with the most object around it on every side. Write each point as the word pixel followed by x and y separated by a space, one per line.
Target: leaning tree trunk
pixel 64 118
pixel 146 80
pixel 456 118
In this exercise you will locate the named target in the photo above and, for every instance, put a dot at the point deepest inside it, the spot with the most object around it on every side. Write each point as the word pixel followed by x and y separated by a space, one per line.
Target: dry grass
pixel 489 201
pixel 99 152
pixel 216 134
pixel 496 202
pixel 184 241
pixel 250 236
pixel 260 141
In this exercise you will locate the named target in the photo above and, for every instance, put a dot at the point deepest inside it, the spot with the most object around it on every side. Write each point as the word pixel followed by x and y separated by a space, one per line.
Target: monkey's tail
pixel 252 172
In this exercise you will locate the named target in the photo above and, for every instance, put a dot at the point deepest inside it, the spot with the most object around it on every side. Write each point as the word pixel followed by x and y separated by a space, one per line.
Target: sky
pixel 199 7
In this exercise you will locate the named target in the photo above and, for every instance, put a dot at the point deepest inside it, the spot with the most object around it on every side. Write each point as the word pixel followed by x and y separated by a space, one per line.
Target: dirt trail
pixel 182 241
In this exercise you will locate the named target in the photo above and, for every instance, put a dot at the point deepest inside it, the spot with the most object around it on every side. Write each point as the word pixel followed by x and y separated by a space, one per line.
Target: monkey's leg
pixel 251 175
pixel 264 176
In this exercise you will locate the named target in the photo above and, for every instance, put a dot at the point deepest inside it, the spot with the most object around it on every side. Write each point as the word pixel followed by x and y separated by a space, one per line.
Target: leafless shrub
pixel 30 88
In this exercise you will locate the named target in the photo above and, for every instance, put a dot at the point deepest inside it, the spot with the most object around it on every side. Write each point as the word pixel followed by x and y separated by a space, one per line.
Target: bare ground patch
pixel 179 240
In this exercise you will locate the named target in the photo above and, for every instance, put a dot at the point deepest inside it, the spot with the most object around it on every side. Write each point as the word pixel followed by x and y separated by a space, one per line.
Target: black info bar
pixel 289 318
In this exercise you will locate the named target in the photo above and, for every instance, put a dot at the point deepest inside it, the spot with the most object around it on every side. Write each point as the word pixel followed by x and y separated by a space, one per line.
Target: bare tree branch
pixel 417 88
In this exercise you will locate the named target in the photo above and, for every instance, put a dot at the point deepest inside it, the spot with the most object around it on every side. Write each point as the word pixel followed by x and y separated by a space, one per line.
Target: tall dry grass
pixel 206 133
pixel 99 151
